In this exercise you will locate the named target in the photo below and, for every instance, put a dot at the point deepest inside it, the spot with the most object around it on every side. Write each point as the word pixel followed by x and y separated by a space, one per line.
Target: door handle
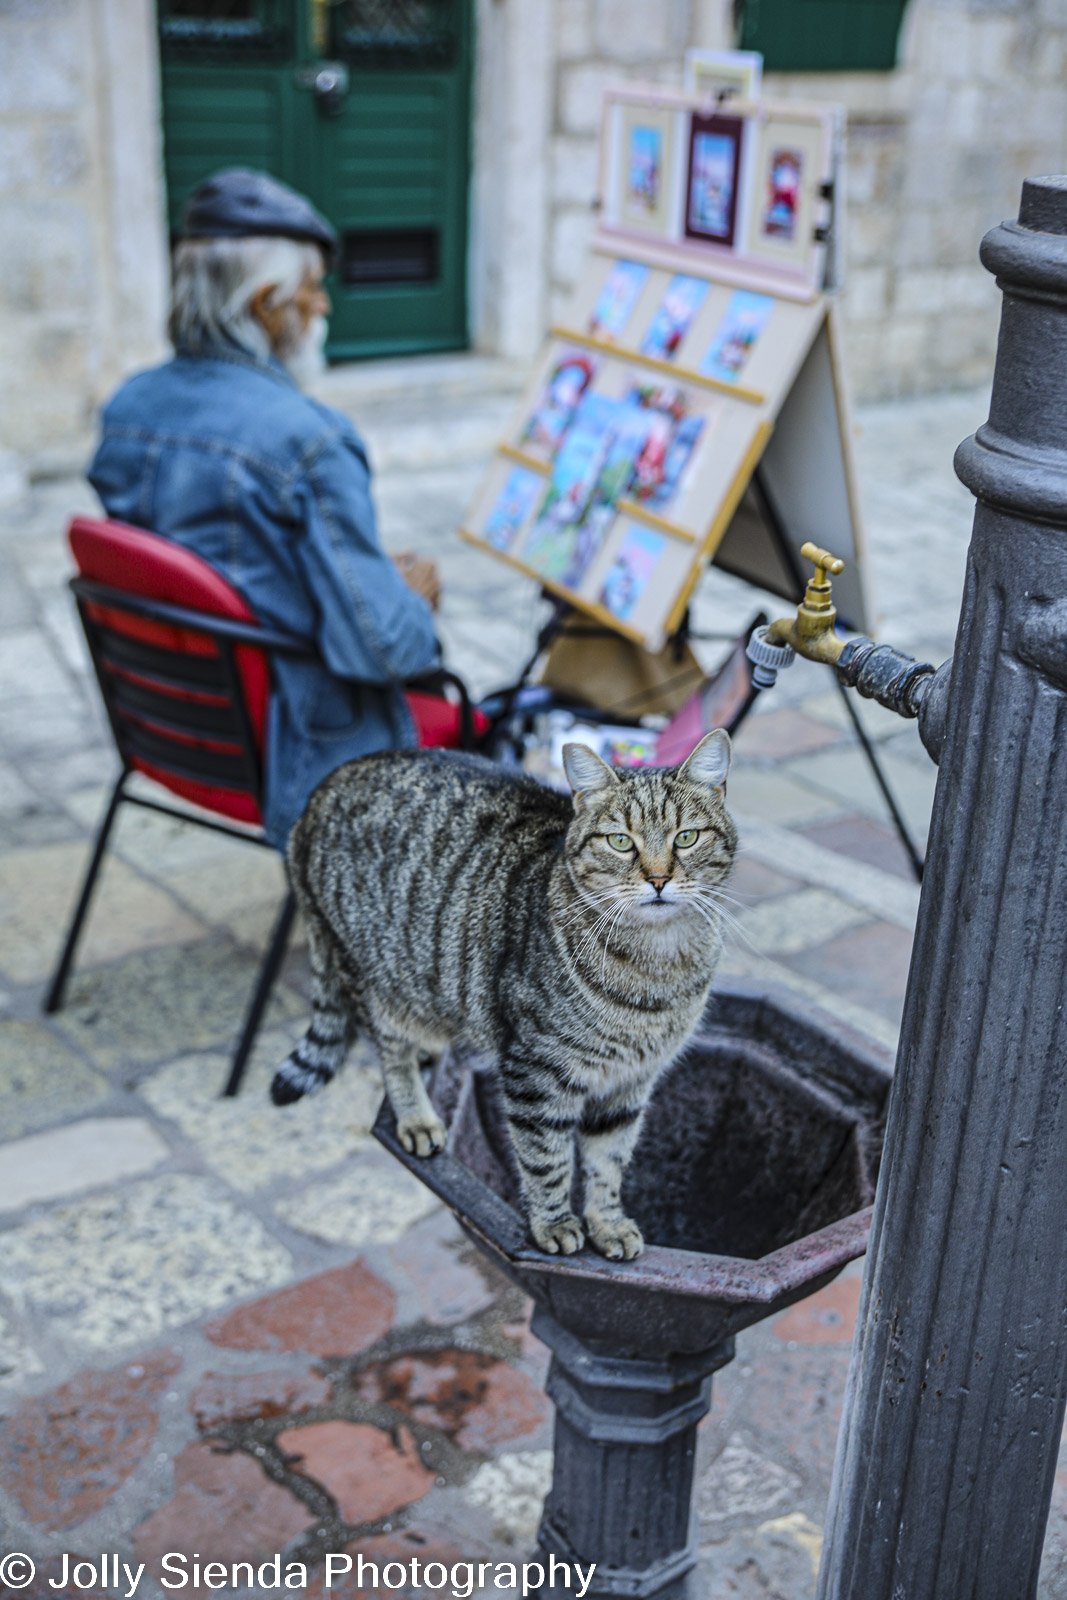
pixel 328 81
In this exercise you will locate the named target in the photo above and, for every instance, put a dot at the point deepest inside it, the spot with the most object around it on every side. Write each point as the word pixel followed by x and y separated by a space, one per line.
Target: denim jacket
pixel 226 456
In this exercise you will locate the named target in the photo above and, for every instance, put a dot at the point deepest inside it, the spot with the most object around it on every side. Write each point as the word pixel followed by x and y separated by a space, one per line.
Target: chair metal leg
pixel 54 998
pixel 268 972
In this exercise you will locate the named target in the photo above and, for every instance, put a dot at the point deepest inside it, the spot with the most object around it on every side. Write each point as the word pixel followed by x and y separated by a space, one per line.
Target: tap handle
pixel 822 561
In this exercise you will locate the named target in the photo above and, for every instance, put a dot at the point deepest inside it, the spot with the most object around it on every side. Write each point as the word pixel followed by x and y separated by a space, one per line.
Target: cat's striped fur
pixel 450 899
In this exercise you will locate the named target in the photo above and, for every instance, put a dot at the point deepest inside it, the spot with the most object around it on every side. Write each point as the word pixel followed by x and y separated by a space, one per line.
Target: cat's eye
pixel 687 837
pixel 620 841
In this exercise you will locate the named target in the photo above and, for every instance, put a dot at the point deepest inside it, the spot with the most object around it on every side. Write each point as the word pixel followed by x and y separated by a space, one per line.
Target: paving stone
pixel 743 1483
pixel 752 881
pixel 224 1507
pixel 865 840
pixel 512 1490
pixel 828 1317
pixel 17 1359
pixel 867 964
pixel 130 1263
pixel 373 1201
pixel 781 736
pixel 152 1005
pixel 252 1142
pixel 367 1473
pixel 790 1407
pixel 844 775
pixel 82 1155
pixel 778 797
pixel 230 1397
pixel 777 927
pixel 335 1313
pixel 436 1284
pixel 37 892
pixel 41 1079
pixel 478 1401
pixel 776 1561
pixel 64 1454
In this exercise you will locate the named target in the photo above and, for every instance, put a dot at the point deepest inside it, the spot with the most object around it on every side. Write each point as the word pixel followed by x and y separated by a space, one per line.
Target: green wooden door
pixel 363 105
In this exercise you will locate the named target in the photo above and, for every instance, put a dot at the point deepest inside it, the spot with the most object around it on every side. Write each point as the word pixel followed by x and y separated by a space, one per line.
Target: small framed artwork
pixel 643 183
pixel 681 301
pixel 792 163
pixel 628 576
pixel 568 379
pixel 743 321
pixel 511 507
pixel 617 298
pixel 713 178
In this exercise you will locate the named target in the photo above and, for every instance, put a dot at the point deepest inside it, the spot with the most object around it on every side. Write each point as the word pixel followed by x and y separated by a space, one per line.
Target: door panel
pixel 387 159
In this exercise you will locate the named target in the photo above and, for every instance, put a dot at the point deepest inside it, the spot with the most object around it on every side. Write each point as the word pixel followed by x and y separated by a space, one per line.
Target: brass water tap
pixel 811 632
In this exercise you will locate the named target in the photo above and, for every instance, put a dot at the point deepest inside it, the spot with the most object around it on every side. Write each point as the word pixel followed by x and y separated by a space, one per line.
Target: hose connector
pixel 767 659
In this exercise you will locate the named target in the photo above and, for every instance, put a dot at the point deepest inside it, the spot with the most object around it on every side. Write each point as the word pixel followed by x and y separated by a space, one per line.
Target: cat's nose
pixel 658 883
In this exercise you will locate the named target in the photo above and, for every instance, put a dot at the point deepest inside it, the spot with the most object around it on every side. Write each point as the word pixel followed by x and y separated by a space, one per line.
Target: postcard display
pixel 697 347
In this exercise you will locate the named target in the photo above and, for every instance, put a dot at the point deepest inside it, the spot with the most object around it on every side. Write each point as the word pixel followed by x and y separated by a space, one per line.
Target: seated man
pixel 220 450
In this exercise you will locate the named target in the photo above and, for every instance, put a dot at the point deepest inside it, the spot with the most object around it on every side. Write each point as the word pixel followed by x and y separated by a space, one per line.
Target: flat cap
pixel 236 202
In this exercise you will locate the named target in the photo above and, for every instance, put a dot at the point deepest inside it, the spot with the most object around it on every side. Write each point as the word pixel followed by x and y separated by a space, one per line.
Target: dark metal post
pixel 625 1449
pixel 956 1395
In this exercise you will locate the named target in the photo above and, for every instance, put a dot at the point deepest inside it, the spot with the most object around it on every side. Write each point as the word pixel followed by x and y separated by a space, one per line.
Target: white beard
pixel 308 361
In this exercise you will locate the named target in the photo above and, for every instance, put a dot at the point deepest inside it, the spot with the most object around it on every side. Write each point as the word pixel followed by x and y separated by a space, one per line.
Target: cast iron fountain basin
pixel 752 1182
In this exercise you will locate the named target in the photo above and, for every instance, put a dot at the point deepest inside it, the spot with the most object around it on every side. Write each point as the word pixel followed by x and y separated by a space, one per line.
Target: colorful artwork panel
pixel 617 298
pixel 644 168
pixel 512 506
pixel 669 445
pixel 714 162
pixel 630 571
pixel 682 300
pixel 743 321
pixel 785 168
pixel 551 417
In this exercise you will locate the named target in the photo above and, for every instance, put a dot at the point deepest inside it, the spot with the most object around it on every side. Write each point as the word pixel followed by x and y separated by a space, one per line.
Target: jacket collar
pixel 235 356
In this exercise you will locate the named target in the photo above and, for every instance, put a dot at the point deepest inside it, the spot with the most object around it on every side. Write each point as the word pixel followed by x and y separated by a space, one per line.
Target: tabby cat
pixel 572 940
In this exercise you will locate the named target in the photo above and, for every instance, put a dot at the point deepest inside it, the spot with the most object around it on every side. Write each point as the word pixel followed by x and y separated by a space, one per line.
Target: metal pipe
pixel 956 1395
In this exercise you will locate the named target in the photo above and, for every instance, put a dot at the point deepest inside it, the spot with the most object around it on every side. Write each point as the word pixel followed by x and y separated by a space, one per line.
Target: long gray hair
pixel 215 281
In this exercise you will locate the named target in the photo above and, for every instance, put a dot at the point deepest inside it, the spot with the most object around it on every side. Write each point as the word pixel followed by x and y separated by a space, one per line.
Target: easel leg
pixel 774 522
pixel 882 781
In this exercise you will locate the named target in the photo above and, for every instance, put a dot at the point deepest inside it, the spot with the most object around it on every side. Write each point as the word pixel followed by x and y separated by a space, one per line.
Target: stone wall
pixel 937 151
pixel 81 233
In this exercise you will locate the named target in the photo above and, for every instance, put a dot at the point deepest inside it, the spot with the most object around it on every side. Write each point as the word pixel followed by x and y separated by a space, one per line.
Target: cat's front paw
pixel 616 1237
pixel 422 1136
pixel 562 1236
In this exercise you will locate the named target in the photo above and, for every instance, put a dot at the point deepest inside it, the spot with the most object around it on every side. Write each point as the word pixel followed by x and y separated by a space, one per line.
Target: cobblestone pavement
pixel 230 1330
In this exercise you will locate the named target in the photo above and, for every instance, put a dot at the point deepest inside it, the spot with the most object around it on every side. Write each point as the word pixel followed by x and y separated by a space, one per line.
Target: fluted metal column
pixel 956 1393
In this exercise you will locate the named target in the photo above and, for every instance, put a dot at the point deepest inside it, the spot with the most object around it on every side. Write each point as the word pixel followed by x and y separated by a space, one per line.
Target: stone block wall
pixel 937 151
pixel 81 236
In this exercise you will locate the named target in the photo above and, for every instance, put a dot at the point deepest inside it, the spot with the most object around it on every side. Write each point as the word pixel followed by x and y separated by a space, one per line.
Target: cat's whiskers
pixel 713 911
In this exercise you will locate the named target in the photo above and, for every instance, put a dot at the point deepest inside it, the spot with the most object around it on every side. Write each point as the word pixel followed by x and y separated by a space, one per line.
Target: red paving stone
pixel 791 1406
pixel 828 1317
pixel 224 1507
pixel 366 1471
pixel 222 1397
pixel 780 735
pixel 335 1313
pixel 864 840
pixel 478 1401
pixel 64 1454
pixel 869 964
pixel 441 1287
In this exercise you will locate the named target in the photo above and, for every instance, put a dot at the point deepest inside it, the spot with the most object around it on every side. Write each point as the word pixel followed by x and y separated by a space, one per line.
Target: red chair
pixel 184 669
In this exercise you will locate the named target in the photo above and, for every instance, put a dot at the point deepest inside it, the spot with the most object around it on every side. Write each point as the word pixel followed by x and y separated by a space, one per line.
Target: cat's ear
pixel 709 763
pixel 586 773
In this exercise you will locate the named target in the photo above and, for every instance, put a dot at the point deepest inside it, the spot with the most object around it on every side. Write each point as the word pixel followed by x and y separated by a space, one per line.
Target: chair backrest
pixel 187 701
